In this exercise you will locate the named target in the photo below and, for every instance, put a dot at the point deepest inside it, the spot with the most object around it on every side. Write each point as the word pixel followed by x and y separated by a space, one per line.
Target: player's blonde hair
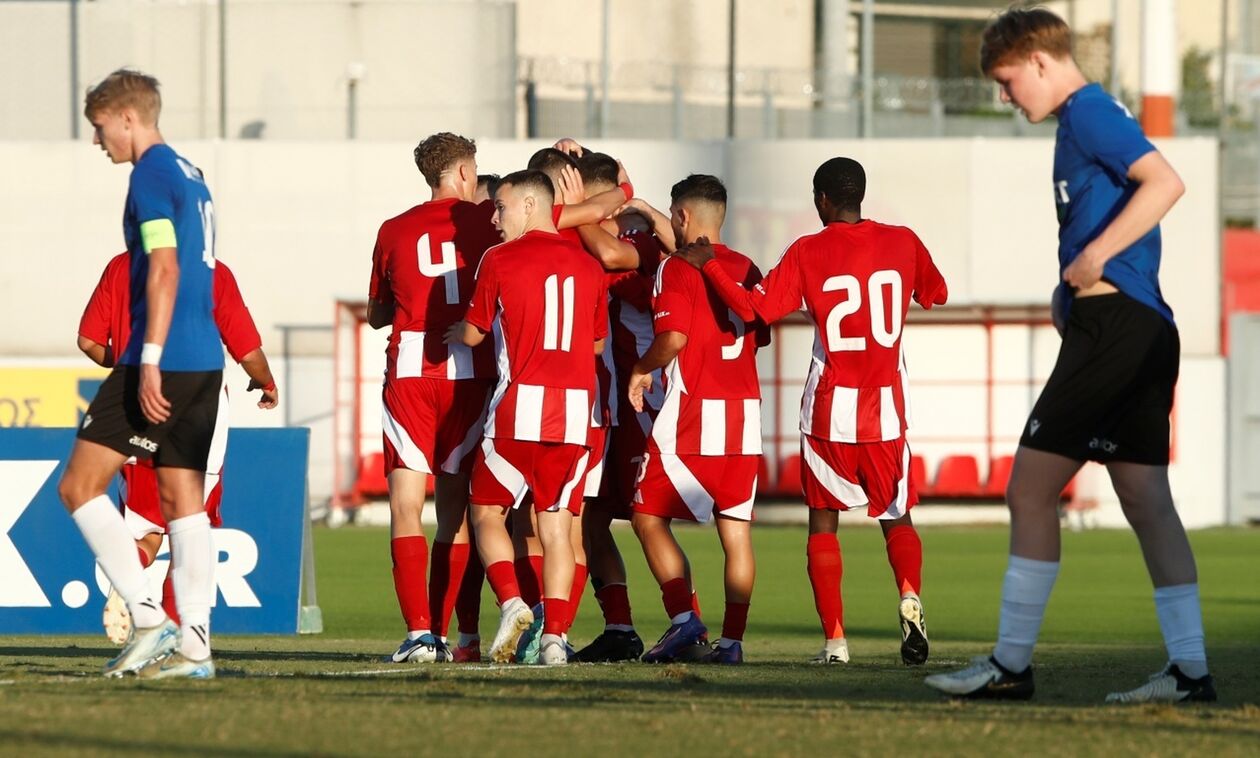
pixel 1019 32
pixel 439 152
pixel 125 88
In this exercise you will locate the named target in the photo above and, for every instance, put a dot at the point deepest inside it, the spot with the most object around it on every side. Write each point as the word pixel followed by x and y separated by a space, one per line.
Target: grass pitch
pixel 331 695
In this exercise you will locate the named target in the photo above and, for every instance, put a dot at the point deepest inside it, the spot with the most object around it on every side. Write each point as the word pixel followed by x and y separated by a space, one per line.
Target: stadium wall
pixel 297 220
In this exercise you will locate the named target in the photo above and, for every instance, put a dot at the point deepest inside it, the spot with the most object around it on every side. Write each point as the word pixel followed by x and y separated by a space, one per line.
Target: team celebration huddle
pixel 563 355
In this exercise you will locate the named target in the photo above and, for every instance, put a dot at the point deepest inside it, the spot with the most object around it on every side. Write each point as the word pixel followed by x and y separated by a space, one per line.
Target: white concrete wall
pixel 297 223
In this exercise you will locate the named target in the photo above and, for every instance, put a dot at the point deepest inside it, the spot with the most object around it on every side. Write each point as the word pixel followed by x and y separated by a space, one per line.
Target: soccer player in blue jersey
pixel 1109 396
pixel 161 399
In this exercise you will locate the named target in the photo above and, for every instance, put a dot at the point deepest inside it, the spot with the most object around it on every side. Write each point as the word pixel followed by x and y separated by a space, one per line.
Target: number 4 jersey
pixel 546 301
pixel 423 263
pixel 855 281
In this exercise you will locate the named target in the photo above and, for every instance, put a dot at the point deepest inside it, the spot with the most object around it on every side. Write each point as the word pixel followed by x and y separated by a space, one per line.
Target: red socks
pixel 502 578
pixel 145 560
pixel 168 597
pixel 678 597
pixel 575 594
pixel 529 577
pixel 556 615
pixel 411 558
pixel 614 601
pixel 825 570
pixel 905 555
pixel 468 602
pixel 445 577
pixel 735 620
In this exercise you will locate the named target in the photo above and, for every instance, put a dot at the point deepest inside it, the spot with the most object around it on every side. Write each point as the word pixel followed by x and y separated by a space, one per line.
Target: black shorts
pixel 1111 391
pixel 114 418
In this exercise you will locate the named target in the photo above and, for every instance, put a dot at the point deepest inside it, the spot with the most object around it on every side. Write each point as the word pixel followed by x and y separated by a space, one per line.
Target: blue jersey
pixel 1097 141
pixel 168 205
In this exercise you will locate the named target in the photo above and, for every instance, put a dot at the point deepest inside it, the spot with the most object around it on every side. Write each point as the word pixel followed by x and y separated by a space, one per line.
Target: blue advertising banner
pixel 50 580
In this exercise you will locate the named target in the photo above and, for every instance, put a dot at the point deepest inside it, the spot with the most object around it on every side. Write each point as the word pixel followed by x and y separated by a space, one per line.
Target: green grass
pixel 320 695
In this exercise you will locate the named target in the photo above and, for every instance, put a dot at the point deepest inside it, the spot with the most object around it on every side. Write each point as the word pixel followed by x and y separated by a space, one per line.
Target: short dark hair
pixel 438 152
pixel 490 180
pixel 703 187
pixel 842 181
pixel 531 179
pixel 1019 32
pixel 550 159
pixel 598 168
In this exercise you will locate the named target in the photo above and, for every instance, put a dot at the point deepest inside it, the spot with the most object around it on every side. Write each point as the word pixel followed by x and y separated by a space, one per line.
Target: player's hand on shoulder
pixel 153 403
pixel 697 253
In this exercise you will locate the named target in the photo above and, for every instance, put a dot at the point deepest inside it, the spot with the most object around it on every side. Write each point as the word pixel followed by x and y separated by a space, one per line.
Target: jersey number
pixel 732 351
pixel 558 313
pixel 433 266
pixel 206 211
pixel 885 333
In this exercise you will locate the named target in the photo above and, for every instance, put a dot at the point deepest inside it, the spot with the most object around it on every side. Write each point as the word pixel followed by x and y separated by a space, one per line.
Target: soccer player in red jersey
pixel 103 333
pixel 855 278
pixel 434 396
pixel 544 299
pixel 705 449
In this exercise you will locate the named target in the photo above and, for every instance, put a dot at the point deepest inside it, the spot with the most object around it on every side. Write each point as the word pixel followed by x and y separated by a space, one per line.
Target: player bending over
pixel 855 279
pixel 435 394
pixel 161 400
pixel 705 449
pixel 1111 390
pixel 103 333
pixel 544 299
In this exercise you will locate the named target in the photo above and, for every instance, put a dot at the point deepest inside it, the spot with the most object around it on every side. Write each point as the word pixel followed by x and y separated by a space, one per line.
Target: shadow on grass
pixel 62 741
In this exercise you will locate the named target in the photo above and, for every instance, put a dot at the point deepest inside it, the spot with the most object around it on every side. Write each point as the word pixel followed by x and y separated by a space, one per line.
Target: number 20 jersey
pixel 855 281
pixel 424 263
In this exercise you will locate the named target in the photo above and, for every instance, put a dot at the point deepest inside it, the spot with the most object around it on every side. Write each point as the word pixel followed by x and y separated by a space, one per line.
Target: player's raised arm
pixel 612 253
pixel 1158 188
pixel 598 207
pixel 661 226
pixel 770 300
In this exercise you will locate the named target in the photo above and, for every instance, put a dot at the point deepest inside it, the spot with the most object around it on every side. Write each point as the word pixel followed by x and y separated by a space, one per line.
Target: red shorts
pixel 431 425
pixel 622 461
pixel 138 492
pixel 597 442
pixel 505 471
pixel 838 476
pixel 693 487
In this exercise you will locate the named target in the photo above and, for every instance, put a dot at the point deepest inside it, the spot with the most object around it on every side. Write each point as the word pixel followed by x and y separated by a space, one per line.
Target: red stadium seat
pixel 371 481
pixel 999 476
pixel 918 476
pixel 958 476
pixel 789 476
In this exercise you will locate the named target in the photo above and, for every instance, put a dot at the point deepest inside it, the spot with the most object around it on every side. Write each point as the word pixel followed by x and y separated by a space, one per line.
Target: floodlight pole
pixel 730 71
pixel 604 70
pixel 74 69
pixel 222 69
pixel 868 68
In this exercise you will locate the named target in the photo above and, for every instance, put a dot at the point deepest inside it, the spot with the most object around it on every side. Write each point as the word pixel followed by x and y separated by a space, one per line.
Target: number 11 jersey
pixel 546 302
pixel 855 281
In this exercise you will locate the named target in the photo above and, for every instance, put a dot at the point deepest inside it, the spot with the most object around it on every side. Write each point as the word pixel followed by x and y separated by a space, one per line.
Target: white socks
pixel 1025 592
pixel 1181 621
pixel 107 535
pixel 192 564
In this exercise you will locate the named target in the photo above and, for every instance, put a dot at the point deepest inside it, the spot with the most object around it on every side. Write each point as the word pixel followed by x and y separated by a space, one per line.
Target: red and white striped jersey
pixel 545 301
pixel 855 281
pixel 630 326
pixel 712 400
pixel 424 263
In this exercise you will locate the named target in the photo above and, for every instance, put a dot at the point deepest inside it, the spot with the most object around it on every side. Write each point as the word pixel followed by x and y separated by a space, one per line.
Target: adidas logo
pixel 144 443
pixel 87 419
pixel 1033 426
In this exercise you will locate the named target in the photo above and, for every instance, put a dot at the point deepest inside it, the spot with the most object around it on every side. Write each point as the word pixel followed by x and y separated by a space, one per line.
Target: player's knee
pixel 74 492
